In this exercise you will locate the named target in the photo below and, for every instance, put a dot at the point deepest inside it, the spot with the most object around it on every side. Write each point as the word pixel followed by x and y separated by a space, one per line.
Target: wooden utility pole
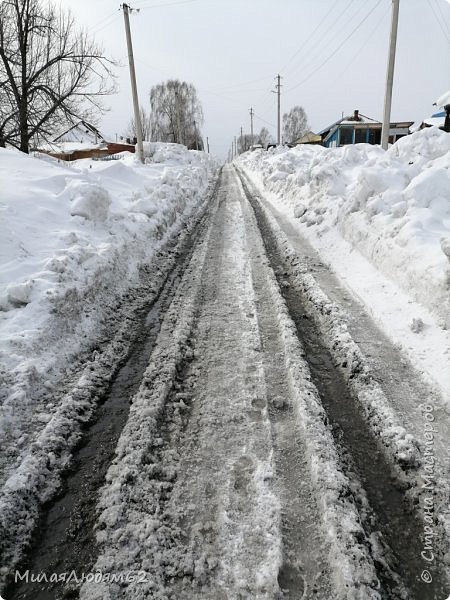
pixel 390 76
pixel 242 142
pixel 137 114
pixel 207 143
pixel 278 87
pixel 252 112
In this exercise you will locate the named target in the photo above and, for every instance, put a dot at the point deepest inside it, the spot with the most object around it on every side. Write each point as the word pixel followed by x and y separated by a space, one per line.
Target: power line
pixel 323 63
pixel 103 22
pixel 366 41
pixel 446 35
pixel 444 21
pixel 333 6
pixel 312 61
pixel 163 5
pixel 242 84
pixel 341 14
pixel 264 121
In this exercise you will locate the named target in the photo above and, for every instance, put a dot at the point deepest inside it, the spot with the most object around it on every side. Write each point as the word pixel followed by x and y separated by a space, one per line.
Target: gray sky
pixel 231 50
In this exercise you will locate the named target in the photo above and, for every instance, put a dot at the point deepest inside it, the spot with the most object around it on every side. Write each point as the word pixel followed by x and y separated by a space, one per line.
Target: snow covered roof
pixel 70 147
pixel 83 132
pixel 361 119
pixel 308 137
pixel 357 117
pixel 443 100
pixel 438 121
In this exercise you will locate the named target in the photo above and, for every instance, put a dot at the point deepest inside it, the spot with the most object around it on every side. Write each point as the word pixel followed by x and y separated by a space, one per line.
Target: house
pixel 358 128
pixel 83 140
pixel 436 120
pixel 308 138
pixel 440 119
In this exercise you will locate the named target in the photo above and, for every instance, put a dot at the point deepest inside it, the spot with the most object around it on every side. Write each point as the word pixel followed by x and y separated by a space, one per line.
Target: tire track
pixel 389 514
pixel 64 540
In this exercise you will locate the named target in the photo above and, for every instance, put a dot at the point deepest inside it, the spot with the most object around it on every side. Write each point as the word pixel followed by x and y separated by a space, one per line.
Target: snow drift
pixel 391 206
pixel 74 241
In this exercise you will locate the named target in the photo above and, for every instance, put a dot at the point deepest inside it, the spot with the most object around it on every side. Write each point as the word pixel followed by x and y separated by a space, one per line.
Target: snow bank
pixel 74 240
pixel 392 206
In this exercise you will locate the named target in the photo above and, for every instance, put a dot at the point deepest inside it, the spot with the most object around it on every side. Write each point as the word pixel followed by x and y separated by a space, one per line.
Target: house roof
pixel 83 132
pixel 357 117
pixel 438 121
pixel 308 137
pixel 443 100
pixel 70 147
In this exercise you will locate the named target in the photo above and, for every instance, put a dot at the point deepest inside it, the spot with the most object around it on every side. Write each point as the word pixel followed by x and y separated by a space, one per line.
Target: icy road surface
pixel 261 457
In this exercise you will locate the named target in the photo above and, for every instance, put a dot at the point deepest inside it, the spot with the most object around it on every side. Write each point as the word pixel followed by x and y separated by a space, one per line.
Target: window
pixel 346 136
pixel 374 136
pixel 360 136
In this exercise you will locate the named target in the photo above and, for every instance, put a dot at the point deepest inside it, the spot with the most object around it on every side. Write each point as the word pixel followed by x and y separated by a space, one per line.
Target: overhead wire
pixel 444 20
pixel 311 35
pixel 103 22
pixel 242 84
pixel 366 41
pixel 323 63
pixel 311 62
pixel 446 34
pixel 329 28
pixel 263 120
pixel 115 18
pixel 165 4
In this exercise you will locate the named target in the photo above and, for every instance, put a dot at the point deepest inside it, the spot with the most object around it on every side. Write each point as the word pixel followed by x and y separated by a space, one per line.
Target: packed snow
pixel 135 529
pixel 382 220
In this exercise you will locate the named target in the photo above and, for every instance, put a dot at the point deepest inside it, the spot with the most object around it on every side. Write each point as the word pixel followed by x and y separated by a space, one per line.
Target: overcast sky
pixel 331 54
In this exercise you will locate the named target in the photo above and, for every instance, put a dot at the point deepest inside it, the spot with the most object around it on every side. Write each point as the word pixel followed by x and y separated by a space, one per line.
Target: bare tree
pixel 51 73
pixel 264 137
pixel 295 124
pixel 146 124
pixel 176 114
pixel 245 142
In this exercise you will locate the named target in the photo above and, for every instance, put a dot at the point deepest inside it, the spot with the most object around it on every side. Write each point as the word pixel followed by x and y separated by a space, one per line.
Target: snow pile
pixel 392 206
pixel 66 231
pixel 75 240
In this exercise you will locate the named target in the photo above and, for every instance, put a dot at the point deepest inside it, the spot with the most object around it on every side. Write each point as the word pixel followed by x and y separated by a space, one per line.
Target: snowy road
pixel 251 466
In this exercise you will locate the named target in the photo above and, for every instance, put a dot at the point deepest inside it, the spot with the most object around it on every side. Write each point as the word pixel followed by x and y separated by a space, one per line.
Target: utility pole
pixel 252 112
pixel 242 141
pixel 137 114
pixel 390 76
pixel 207 143
pixel 278 92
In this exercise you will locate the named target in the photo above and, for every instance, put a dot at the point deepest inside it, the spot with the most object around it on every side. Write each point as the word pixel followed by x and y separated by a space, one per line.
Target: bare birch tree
pixel 51 73
pixel 176 114
pixel 295 124
pixel 146 123
pixel 264 137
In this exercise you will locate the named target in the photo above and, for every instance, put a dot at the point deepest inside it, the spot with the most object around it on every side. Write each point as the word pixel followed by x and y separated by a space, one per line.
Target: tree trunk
pixel 23 124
